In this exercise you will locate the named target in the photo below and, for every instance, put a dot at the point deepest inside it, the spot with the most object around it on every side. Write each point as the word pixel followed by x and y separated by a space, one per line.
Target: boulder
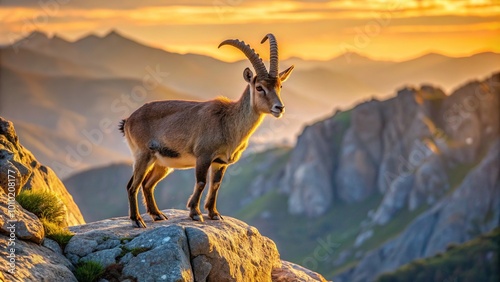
pixel 29 174
pixel 16 222
pixel 231 250
pixel 180 249
pixel 21 256
pixel 33 263
pixel 293 272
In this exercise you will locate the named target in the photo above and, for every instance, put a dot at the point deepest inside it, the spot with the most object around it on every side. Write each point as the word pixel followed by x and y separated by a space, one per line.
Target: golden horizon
pixel 392 30
pixel 236 56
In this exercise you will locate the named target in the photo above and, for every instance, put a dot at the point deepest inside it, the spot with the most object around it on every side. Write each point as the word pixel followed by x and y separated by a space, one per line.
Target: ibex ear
pixel 284 74
pixel 247 75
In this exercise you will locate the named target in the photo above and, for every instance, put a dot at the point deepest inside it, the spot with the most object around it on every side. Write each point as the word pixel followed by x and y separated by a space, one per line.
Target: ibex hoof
pixel 138 223
pixel 198 217
pixel 216 217
pixel 160 216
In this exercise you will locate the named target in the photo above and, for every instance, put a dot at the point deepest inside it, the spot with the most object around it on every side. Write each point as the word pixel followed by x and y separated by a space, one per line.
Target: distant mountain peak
pixel 34 39
pixel 87 41
pixel 113 33
pixel 92 37
pixel 296 58
pixel 355 54
pixel 57 38
pixel 38 34
pixel 434 55
pixel 352 57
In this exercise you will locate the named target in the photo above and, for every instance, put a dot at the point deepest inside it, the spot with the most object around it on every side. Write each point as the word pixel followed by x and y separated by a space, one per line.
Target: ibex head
pixel 265 87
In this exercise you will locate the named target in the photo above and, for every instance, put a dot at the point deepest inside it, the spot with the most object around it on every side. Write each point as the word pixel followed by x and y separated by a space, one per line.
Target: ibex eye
pixel 259 88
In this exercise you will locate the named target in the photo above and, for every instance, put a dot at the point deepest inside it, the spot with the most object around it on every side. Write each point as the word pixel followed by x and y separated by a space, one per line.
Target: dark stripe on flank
pixel 164 151
pixel 169 153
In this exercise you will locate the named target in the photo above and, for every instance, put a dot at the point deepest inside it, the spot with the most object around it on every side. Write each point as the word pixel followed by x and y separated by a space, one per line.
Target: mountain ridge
pixel 116 34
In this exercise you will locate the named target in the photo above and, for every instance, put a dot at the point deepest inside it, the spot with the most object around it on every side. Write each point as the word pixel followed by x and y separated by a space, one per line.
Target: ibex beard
pixel 209 136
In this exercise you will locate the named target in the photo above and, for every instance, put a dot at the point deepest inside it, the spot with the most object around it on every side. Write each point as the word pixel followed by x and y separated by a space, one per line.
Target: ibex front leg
pixel 217 171
pixel 202 166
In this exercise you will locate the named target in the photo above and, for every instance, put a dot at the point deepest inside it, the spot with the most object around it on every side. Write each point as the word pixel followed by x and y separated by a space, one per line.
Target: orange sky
pixel 382 29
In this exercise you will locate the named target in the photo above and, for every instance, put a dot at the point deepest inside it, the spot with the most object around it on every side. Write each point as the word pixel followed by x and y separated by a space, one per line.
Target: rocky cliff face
pixel 470 210
pixel 402 148
pixel 18 164
pixel 308 167
pixel 421 150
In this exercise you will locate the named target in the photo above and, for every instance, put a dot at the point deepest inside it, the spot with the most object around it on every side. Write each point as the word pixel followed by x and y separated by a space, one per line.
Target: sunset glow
pixel 382 29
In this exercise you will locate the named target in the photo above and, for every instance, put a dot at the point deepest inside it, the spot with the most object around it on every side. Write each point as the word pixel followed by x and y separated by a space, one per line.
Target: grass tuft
pixel 57 233
pixel 88 271
pixel 137 251
pixel 134 251
pixel 51 212
pixel 43 204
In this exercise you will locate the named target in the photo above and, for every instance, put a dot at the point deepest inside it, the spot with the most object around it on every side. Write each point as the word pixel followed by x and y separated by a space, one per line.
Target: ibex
pixel 168 135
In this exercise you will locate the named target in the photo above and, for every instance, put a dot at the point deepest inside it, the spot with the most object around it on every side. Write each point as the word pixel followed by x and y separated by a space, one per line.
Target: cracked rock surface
pixel 180 249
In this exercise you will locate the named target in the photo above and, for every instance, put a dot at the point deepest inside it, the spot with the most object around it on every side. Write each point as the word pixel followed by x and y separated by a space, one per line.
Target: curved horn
pixel 254 58
pixel 273 54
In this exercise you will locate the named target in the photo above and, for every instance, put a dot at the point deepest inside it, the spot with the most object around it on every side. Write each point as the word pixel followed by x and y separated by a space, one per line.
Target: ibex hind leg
pixel 142 165
pixel 154 176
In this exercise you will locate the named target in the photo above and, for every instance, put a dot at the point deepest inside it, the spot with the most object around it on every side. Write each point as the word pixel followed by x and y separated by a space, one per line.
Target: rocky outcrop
pixel 183 250
pixel 32 262
pixel 21 256
pixel 175 250
pixel 360 153
pixel 402 148
pixel 293 272
pixel 16 222
pixel 17 162
pixel 472 209
pixel 454 132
